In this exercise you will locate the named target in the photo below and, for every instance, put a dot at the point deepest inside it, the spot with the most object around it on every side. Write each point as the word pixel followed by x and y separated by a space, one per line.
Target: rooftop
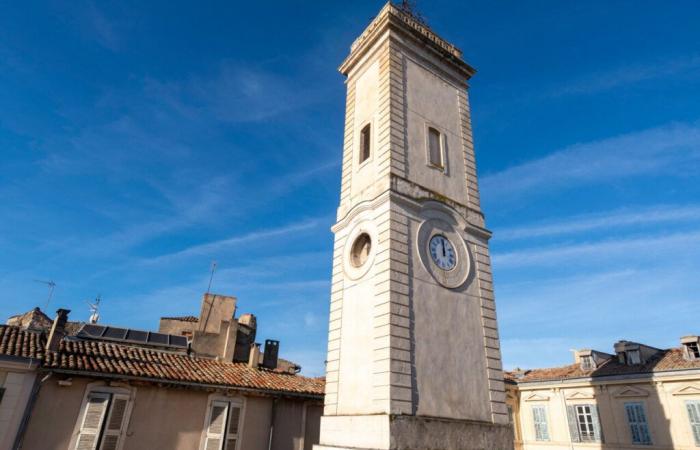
pixel 18 342
pixel 663 361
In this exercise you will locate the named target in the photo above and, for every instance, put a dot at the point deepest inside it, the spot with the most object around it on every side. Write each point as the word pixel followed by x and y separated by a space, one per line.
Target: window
pixel 435 148
pixel 539 418
pixel 102 422
pixel 223 425
pixel 693 350
pixel 584 424
pixel 637 420
pixel 693 407
pixel 587 363
pixel 365 143
pixel 633 357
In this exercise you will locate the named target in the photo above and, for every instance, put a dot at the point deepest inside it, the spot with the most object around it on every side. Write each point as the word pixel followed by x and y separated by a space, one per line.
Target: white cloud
pixel 672 149
pixel 648 246
pixel 649 215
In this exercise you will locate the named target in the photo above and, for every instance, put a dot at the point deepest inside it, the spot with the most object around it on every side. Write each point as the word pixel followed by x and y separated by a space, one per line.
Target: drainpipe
pixel 28 411
pixel 272 422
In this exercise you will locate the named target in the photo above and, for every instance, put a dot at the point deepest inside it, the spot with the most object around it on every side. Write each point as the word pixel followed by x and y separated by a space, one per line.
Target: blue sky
pixel 142 140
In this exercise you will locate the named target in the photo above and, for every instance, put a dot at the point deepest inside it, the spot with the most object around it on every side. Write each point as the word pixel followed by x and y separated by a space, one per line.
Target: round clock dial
pixel 442 252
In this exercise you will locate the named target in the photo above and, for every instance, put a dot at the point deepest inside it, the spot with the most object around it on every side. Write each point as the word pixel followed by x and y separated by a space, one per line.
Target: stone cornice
pixel 391 17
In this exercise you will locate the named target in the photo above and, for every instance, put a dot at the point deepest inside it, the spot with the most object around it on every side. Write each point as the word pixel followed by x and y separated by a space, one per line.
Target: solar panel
pixel 158 338
pixel 128 335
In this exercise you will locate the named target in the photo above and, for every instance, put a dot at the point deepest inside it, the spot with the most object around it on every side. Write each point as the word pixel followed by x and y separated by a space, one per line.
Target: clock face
pixel 442 252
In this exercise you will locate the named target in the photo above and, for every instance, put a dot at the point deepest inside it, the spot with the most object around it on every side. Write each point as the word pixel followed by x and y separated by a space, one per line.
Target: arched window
pixel 365 143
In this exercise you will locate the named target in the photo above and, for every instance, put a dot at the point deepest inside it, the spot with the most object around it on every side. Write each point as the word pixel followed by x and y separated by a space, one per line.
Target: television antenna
pixel 51 286
pixel 211 275
pixel 95 309
pixel 410 8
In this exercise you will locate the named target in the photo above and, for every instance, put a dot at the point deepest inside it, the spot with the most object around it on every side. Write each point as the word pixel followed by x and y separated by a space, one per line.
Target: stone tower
pixel 413 349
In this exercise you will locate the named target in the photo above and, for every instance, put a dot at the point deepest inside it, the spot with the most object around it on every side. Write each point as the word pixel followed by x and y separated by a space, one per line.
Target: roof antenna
pixel 95 309
pixel 51 286
pixel 409 7
pixel 211 275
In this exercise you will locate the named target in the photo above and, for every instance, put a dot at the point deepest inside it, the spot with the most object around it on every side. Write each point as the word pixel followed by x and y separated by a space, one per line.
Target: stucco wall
pixel 663 399
pixel 167 419
pixel 18 385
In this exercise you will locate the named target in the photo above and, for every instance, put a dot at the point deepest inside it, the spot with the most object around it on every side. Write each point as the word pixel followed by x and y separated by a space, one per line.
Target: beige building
pixel 110 388
pixel 20 353
pixel 637 397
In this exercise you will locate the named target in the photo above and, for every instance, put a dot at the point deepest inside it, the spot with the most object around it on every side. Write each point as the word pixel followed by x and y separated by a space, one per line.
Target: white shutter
pixel 92 421
pixel 216 429
pixel 234 419
pixel 115 422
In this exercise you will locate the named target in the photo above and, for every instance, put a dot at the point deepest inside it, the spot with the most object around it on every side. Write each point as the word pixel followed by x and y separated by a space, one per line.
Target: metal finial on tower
pixel 410 8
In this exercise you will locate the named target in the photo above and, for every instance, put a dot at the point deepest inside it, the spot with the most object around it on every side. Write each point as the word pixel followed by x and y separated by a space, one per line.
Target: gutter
pixel 28 411
pixel 276 393
pixel 606 378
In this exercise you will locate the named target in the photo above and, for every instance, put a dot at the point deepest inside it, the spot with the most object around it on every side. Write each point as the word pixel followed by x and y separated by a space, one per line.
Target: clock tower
pixel 413 347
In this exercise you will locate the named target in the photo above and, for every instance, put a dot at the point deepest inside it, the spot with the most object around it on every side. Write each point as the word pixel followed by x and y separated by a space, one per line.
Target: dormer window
pixel 435 148
pixel 587 363
pixel 365 143
pixel 691 347
pixel 633 357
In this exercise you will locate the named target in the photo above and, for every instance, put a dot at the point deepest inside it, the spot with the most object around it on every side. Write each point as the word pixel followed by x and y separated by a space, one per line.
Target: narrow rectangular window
pixel 693 407
pixel 634 357
pixel 587 363
pixel 223 426
pixel 637 420
pixel 539 417
pixel 103 421
pixel 435 147
pixel 2 393
pixel 365 143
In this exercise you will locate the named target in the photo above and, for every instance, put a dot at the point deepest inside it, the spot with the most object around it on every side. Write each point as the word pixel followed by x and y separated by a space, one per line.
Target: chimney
pixel 254 358
pixel 58 330
pixel 271 353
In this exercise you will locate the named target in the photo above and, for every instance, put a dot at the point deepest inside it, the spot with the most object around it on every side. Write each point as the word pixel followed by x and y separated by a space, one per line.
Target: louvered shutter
pixel 637 420
pixel 693 407
pixel 539 417
pixel 234 418
pixel 92 421
pixel 573 423
pixel 216 429
pixel 115 422
pixel 597 429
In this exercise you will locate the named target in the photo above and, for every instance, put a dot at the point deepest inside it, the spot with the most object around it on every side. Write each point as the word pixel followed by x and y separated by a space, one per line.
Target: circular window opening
pixel 360 250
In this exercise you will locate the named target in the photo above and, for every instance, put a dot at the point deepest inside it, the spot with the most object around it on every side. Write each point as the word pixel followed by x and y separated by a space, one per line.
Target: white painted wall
pixel 18 382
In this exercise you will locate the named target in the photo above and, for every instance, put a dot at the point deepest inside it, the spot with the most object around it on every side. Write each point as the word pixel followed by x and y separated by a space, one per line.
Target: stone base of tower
pixel 403 432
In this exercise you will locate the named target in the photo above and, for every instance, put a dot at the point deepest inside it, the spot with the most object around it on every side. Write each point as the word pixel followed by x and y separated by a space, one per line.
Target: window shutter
pixel 92 421
pixel 234 417
pixel 694 417
pixel 217 426
pixel 573 423
pixel 637 420
pixel 597 429
pixel 115 422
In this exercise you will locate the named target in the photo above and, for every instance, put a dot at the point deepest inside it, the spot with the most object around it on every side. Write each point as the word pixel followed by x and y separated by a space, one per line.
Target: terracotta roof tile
pixel 15 341
pixel 116 359
pixel 665 360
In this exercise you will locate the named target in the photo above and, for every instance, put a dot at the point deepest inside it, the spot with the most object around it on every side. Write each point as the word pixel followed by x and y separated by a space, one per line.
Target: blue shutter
pixel 539 417
pixel 637 420
pixel 573 424
pixel 597 429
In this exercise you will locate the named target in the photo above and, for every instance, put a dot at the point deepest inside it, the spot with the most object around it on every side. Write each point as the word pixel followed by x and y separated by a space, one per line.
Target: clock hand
pixel 443 249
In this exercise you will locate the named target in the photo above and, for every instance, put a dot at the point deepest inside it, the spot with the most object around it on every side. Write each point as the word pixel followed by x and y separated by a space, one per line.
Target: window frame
pixel 587 363
pixel 442 167
pixel 101 388
pixel 692 350
pixel 639 429
pixel 541 427
pixel 240 402
pixel 594 428
pixel 360 161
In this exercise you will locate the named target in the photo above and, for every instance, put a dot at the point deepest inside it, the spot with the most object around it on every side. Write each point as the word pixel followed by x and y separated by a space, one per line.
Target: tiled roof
pixel 182 318
pixel 665 360
pixel 130 361
pixel 14 341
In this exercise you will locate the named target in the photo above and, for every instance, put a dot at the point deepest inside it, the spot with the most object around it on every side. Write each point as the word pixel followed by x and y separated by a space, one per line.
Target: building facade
pixel 98 387
pixel 638 397
pixel 413 350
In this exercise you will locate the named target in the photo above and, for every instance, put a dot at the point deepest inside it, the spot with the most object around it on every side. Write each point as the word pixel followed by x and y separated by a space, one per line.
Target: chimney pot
pixel 254 359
